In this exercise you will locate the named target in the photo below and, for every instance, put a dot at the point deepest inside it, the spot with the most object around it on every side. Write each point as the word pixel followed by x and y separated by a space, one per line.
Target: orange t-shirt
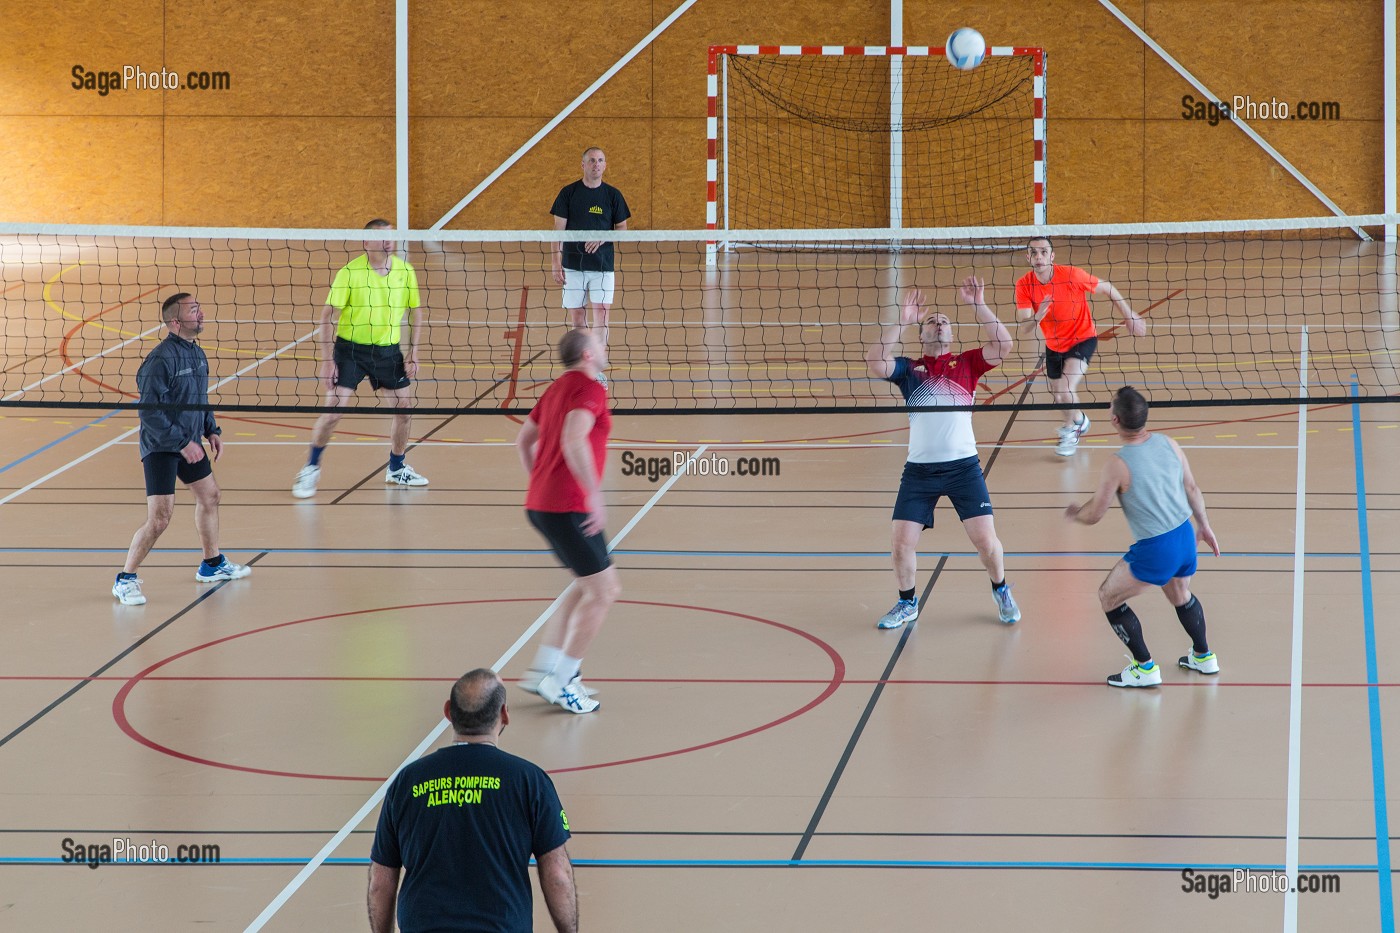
pixel 1068 321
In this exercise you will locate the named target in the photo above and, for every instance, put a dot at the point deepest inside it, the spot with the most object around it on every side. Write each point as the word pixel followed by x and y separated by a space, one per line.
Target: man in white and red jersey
pixel 1055 297
pixel 563 445
pixel 942 450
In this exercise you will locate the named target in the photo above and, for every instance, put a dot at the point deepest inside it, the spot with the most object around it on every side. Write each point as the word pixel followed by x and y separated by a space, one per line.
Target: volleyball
pixel 965 49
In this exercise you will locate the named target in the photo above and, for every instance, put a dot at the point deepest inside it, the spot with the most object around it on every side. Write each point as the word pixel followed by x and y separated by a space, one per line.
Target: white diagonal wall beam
pixel 559 118
pixel 1245 127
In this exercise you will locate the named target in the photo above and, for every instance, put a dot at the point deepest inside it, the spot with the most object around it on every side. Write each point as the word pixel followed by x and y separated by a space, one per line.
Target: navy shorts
pixel 1161 558
pixel 582 553
pixel 383 366
pixel 923 484
pixel 1055 360
pixel 163 467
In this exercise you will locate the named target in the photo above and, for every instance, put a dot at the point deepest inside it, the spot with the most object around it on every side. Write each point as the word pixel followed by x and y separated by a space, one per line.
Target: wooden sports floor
pixel 764 759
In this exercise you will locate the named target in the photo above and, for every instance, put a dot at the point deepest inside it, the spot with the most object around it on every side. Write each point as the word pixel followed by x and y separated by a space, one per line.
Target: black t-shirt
pixel 585 208
pixel 463 823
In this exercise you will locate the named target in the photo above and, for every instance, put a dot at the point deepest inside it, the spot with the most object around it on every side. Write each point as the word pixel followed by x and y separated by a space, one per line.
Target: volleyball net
pixel 1264 312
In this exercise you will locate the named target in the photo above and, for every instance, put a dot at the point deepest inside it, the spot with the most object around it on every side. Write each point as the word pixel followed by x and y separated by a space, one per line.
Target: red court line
pixel 63 344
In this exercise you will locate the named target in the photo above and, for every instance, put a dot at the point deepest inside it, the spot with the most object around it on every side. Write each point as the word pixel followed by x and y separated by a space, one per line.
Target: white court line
pixel 320 857
pixel 123 436
pixel 1295 677
pixel 34 385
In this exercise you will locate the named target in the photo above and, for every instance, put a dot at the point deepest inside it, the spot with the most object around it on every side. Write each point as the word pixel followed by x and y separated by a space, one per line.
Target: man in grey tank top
pixel 1153 482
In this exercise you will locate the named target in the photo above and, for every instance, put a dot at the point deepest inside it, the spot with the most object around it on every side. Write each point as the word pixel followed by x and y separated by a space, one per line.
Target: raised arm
pixel 1132 321
pixel 879 359
pixel 996 339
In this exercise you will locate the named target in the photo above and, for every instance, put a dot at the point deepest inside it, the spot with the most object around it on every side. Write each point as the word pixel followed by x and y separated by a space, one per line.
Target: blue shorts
pixel 923 484
pixel 1159 559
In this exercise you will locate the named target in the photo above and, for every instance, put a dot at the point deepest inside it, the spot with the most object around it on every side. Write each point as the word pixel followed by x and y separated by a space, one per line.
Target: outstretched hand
pixel 972 291
pixel 913 310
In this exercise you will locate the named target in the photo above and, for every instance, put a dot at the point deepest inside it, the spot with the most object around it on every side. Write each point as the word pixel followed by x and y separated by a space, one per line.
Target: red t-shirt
pixel 552 484
pixel 1068 322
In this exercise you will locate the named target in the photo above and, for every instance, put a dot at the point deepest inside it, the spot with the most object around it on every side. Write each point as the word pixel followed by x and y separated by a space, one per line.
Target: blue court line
pixel 759 863
pixel 55 443
pixel 1373 696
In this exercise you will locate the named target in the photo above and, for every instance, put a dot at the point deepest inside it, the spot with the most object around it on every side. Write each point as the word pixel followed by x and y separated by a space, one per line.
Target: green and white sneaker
pixel 1135 675
pixel 1205 663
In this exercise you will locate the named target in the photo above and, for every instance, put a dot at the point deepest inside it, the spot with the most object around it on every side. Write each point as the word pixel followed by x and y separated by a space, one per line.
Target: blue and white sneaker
pixel 906 610
pixel 1007 610
pixel 572 696
pixel 227 570
pixel 128 592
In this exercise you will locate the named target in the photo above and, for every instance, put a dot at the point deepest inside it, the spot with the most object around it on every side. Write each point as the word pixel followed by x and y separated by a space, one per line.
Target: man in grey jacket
pixel 176 374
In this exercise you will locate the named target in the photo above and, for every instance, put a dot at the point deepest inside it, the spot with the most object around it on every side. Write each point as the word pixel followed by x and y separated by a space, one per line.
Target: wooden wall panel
pixel 305 134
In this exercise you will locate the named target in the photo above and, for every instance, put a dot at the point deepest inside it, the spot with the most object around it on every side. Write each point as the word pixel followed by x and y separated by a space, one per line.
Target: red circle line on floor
pixel 124 723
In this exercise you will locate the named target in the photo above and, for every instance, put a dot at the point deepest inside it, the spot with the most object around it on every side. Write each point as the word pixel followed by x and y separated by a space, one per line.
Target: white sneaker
pixel 530 683
pixel 568 696
pixel 1069 442
pixel 305 485
pixel 227 570
pixel 1135 676
pixel 128 592
pixel 405 476
pixel 1207 664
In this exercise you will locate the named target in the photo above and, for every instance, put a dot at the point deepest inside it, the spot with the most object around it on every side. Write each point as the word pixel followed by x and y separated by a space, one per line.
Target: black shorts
pixel 584 554
pixel 383 365
pixel 1055 360
pixel 923 484
pixel 162 468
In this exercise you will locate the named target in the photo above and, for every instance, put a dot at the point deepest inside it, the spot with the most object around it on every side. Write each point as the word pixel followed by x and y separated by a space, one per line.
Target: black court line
pixel 1006 430
pixel 120 655
pixel 444 423
pixel 864 718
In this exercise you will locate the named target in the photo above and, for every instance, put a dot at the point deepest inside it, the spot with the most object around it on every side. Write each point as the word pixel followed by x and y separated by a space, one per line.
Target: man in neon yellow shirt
pixel 359 338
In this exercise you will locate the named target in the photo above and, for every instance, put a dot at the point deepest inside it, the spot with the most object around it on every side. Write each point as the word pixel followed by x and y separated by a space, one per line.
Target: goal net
pixel 850 137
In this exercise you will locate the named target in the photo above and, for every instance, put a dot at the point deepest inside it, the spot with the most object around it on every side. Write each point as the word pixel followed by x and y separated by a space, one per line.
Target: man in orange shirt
pixel 1055 297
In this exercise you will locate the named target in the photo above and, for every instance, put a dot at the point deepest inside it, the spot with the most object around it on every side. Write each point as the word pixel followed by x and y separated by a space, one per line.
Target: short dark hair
pixel 379 223
pixel 1045 238
pixel 1131 408
pixel 594 149
pixel 572 345
pixel 170 308
pixel 476 702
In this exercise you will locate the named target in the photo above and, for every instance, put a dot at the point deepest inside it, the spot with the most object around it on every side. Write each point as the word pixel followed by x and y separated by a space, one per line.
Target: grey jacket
pixel 175 373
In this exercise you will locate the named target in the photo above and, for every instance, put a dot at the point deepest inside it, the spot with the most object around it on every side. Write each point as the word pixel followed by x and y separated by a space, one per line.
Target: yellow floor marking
pixel 1227 435
pixel 285 436
pixel 493 440
pixel 1267 434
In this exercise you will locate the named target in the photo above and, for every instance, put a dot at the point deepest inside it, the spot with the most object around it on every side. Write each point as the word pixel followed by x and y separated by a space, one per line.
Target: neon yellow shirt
pixel 371 305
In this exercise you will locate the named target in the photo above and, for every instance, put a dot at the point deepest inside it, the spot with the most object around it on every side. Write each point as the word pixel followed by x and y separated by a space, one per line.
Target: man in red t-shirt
pixel 1055 297
pixel 563 445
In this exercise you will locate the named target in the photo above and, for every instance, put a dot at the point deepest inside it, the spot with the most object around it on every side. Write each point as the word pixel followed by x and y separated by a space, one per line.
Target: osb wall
pixel 305 134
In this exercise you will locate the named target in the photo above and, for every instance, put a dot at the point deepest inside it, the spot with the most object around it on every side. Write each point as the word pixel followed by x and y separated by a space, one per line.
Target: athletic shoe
pixel 305 485
pixel 1206 664
pixel 906 610
pixel 227 570
pixel 405 476
pixel 128 592
pixel 1069 442
pixel 1007 609
pixel 1081 427
pixel 568 696
pixel 1134 676
pixel 530 683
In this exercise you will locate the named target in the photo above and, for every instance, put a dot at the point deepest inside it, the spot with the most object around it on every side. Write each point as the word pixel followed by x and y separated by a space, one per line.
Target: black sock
pixel 1193 619
pixel 214 561
pixel 907 595
pixel 123 575
pixel 997 586
pixel 1127 627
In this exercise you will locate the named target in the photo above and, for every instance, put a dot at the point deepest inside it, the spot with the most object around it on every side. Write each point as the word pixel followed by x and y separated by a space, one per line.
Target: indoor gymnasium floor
pixel 764 758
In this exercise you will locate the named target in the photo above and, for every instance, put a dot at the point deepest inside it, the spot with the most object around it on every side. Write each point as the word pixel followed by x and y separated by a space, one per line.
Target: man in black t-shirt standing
pixel 462 824
pixel 586 269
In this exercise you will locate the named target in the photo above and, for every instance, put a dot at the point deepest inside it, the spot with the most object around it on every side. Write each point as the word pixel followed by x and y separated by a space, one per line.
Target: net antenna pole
pixel 401 112
pixel 1390 168
pixel 896 114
